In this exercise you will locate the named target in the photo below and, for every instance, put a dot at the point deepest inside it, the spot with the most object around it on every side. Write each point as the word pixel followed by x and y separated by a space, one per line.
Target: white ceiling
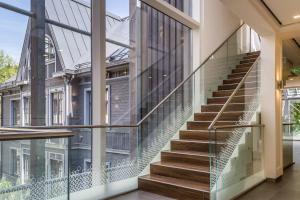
pixel 285 10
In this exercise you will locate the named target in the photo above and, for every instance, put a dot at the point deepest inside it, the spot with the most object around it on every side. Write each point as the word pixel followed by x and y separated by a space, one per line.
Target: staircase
pixel 184 171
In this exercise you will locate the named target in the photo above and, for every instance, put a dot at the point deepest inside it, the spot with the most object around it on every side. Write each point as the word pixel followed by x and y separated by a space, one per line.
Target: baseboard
pixel 274 180
pixel 288 166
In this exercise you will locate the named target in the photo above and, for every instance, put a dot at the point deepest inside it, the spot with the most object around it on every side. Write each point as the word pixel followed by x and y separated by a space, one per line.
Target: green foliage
pixel 8 68
pixel 295 71
pixel 5 184
pixel 296 116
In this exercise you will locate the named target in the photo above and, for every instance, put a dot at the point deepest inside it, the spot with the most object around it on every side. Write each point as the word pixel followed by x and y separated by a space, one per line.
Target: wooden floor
pixel 287 189
pixel 141 195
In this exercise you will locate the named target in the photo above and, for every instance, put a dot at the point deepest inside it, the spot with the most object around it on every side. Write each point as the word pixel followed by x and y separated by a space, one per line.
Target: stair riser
pixel 180 173
pixel 204 125
pixel 222 100
pixel 193 146
pixel 172 191
pixel 217 108
pixel 233 86
pixel 240 70
pixel 238 80
pixel 222 136
pixel 192 159
pixel 250 57
pixel 247 65
pixel 210 117
pixel 241 92
pixel 247 61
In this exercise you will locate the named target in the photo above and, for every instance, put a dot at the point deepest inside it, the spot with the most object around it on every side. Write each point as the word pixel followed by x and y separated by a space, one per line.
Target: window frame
pixel 11 162
pixel 23 97
pixel 50 61
pixel 50 103
pixel 12 120
pixel 86 110
pixel 48 164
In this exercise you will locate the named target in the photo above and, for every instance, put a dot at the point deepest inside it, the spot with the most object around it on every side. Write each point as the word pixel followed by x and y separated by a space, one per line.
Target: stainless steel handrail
pixel 155 108
pixel 211 126
pixel 238 126
pixel 32 134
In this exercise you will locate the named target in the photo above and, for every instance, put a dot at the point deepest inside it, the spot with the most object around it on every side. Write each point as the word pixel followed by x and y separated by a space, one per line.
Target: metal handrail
pixel 154 109
pixel 239 126
pixel 211 126
pixel 32 134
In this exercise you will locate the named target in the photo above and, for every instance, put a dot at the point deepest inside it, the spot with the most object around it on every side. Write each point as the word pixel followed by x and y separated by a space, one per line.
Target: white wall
pixel 271 67
pixel 216 24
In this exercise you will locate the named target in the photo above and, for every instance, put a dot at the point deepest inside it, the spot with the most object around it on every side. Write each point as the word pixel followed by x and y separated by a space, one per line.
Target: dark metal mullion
pixel 169 64
pixel 16 9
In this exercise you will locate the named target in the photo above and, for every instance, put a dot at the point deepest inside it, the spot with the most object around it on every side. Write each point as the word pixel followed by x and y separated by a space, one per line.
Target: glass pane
pixel 23 4
pixel 13 27
pixel 182 5
pixel 34 169
pixel 237 167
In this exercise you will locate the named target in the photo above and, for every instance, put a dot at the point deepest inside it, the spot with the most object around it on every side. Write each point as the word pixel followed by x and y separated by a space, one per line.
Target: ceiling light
pixel 297 17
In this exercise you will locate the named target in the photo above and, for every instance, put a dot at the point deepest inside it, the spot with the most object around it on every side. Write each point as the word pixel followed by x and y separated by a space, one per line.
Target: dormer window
pixel 50 57
pixel 49 50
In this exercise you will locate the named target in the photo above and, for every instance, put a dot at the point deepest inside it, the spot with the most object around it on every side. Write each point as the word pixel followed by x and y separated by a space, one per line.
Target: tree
pixel 8 67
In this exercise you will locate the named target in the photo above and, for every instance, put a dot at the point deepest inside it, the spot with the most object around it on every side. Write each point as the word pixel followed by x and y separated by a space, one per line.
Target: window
pixel 87 164
pixel 26 165
pixel 57 108
pixel 107 117
pixel 15 112
pixel 26 111
pixel 14 162
pixel 117 73
pixel 88 107
pixel 50 57
pixel 49 50
pixel 56 165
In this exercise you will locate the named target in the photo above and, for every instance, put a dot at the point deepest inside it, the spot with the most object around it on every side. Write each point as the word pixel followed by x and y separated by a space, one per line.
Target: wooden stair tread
pixel 236 84
pixel 192 153
pixel 193 185
pixel 184 166
pixel 198 141
pixel 241 89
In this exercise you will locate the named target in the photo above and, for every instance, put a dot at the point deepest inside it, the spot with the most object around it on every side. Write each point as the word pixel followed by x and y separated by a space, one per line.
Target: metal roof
pixel 74 49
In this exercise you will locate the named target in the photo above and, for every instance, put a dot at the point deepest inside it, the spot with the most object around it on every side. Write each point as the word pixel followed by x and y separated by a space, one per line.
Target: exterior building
pixel 68 92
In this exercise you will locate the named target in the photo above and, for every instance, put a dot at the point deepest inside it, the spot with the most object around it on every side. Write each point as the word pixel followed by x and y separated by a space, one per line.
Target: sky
pixel 13 25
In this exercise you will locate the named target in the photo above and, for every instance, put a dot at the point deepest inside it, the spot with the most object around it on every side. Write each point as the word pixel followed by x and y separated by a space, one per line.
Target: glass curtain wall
pixel 148 54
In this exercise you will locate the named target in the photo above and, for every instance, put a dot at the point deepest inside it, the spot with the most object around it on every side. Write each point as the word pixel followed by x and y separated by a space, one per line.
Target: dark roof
pixel 74 49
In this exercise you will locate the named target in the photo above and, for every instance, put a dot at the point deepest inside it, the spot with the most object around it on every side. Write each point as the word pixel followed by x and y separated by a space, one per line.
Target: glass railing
pixel 238 162
pixel 105 161
pixel 235 143
pixel 34 164
pixel 288 131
